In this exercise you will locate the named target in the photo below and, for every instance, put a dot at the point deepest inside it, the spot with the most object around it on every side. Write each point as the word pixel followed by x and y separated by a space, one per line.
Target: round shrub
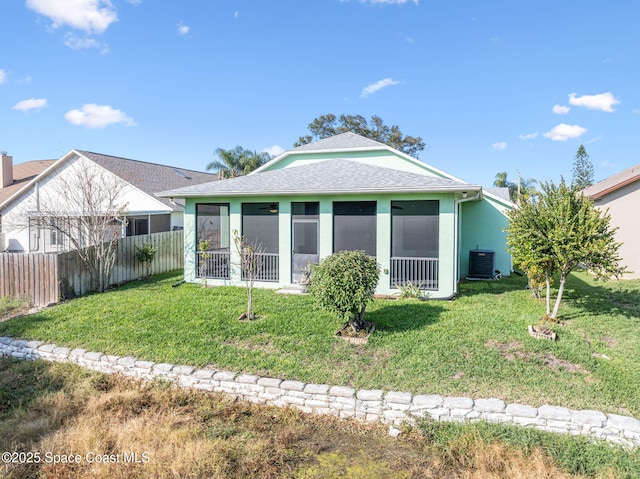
pixel 344 283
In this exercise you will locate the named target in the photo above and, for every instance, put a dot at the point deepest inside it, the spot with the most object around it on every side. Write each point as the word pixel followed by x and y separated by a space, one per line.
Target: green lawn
pixel 476 345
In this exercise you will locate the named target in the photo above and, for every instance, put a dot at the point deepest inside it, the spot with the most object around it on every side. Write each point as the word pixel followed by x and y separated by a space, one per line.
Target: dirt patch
pixel 609 341
pixel 513 350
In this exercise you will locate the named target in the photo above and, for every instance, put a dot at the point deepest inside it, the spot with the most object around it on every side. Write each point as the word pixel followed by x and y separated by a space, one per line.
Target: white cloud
pixel 78 43
pixel 563 132
pixel 31 104
pixel 3 77
pixel 97 116
pixel 602 101
pixel 636 111
pixel 183 29
pixel 561 110
pixel 236 14
pixel 274 150
pixel 529 136
pixel 93 16
pixel 379 85
pixel 499 146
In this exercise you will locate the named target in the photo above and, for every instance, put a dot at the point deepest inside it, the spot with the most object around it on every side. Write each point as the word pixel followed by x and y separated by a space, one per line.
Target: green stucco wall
pixel 482 225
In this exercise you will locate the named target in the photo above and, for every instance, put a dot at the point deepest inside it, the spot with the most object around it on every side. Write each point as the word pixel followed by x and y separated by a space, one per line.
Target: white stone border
pixel 391 407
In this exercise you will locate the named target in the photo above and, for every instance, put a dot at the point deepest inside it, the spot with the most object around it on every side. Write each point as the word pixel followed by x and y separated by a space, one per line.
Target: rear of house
pixel 344 193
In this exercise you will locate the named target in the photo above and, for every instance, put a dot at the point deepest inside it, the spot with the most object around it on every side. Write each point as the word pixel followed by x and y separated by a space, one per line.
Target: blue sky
pixel 490 86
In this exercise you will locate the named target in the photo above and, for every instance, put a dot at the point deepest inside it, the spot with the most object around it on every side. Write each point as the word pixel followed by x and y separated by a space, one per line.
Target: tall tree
pixel 329 125
pixel 559 231
pixel 583 171
pixel 237 161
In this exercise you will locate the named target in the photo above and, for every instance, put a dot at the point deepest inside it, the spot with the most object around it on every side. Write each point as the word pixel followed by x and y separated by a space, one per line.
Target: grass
pixel 66 410
pixel 475 346
pixel 10 305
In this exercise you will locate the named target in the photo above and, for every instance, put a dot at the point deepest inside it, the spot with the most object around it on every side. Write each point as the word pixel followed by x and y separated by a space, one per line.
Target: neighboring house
pixel 346 192
pixel 620 194
pixel 28 188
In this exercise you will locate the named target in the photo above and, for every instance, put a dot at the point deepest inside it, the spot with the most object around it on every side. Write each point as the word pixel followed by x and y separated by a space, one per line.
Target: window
pixel 56 236
pixel 137 225
pixel 354 226
pixel 260 224
pixel 212 223
pixel 414 229
pixel 415 243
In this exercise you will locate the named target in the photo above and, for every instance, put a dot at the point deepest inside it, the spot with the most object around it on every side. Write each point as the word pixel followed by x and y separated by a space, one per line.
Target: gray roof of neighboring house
pixel 613 183
pixel 502 193
pixel 23 173
pixel 150 177
pixel 343 141
pixel 325 177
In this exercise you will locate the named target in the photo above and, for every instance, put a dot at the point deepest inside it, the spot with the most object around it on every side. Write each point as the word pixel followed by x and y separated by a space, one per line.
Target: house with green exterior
pixel 346 192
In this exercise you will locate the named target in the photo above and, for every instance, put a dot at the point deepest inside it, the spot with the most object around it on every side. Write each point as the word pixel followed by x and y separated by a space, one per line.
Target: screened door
pixel 305 228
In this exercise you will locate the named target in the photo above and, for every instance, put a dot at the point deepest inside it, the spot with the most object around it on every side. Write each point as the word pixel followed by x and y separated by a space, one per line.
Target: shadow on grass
pixel 404 315
pixel 503 285
pixel 598 298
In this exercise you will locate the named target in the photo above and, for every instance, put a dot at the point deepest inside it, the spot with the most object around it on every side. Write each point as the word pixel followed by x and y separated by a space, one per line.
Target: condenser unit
pixel 482 264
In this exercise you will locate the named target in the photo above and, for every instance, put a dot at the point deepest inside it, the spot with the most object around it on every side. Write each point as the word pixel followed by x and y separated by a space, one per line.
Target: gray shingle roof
pixel 326 177
pixel 150 177
pixel 343 141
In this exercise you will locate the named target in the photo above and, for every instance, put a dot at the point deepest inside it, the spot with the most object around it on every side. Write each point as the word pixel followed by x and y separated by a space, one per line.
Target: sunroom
pixel 346 192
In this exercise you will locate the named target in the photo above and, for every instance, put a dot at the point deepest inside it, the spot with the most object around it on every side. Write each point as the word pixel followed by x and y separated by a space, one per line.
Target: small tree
pixel 146 254
pixel 203 256
pixel 344 283
pixel 560 231
pixel 250 265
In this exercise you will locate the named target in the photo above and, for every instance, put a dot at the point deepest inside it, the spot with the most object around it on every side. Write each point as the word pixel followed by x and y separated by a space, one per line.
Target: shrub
pixel 344 283
pixel 146 255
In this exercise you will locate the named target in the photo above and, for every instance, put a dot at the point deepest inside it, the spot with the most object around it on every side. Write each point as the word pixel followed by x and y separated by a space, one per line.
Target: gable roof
pixel 321 178
pixel 23 173
pixel 350 141
pixel 147 177
pixel 150 177
pixel 613 183
pixel 343 141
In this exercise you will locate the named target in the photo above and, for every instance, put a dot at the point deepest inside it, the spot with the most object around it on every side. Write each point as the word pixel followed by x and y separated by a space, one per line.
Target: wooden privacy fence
pixel 32 276
pixel 45 278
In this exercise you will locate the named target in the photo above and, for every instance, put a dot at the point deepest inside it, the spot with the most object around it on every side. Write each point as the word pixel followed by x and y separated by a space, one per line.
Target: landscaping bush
pixel 344 283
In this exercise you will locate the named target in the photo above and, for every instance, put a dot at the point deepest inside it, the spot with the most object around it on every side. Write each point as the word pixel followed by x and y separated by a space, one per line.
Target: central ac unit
pixel 482 264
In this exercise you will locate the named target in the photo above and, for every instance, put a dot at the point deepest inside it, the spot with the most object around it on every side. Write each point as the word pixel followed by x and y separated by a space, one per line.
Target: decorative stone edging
pixel 391 407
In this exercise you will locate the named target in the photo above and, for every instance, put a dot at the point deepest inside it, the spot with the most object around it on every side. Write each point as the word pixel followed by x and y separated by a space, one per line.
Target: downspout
pixel 456 226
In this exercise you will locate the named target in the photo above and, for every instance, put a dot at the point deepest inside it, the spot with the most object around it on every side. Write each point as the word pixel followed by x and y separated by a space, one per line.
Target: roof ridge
pixel 145 162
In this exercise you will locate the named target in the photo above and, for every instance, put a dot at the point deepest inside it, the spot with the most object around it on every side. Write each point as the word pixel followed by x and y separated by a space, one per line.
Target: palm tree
pixel 501 182
pixel 237 162
pixel 522 190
